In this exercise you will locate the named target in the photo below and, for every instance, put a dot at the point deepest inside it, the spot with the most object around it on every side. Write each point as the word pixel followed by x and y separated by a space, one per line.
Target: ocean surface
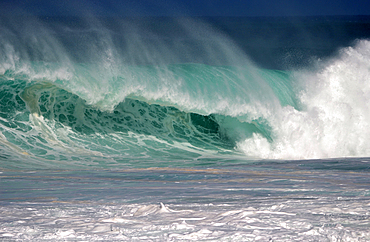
pixel 185 129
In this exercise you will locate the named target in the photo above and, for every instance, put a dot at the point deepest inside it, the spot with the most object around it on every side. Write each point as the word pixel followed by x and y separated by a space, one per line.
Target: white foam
pixel 335 119
pixel 296 220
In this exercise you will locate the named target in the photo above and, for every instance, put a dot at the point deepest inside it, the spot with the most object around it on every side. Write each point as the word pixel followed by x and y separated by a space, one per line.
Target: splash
pixel 334 120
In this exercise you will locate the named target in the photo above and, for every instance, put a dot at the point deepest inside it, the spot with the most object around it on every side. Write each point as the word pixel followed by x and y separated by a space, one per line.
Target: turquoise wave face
pixel 43 119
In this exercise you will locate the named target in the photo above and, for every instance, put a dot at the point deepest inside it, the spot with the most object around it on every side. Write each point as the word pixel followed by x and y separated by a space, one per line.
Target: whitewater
pixel 180 129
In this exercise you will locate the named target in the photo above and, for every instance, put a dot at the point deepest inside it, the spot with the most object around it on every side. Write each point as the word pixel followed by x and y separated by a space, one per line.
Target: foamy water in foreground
pixel 273 201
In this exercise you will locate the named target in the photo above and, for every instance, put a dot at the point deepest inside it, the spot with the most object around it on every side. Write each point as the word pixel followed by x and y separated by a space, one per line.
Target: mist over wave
pixel 96 92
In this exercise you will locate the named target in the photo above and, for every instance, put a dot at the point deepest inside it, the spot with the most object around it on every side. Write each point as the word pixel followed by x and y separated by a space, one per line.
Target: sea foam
pixel 334 120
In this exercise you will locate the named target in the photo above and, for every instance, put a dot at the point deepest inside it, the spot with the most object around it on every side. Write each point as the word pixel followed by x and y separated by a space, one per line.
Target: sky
pixel 186 7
